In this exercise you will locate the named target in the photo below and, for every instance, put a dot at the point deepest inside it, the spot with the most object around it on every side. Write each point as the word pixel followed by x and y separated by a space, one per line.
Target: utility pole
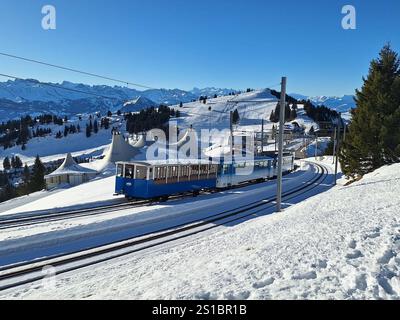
pixel 316 145
pixel 338 146
pixel 334 145
pixel 280 152
pixel 231 131
pixel 262 136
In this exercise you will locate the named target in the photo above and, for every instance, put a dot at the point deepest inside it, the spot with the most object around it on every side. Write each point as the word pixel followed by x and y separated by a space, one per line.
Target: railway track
pixel 34 219
pixel 25 273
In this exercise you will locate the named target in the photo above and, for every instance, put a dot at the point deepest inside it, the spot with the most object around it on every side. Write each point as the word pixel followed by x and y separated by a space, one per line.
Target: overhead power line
pixel 75 70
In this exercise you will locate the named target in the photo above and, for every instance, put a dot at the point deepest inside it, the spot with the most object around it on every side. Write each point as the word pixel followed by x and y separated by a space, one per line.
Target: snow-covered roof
pixel 70 167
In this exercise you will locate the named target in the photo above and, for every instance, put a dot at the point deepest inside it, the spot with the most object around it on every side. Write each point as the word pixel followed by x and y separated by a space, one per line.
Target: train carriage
pixel 153 179
pixel 160 179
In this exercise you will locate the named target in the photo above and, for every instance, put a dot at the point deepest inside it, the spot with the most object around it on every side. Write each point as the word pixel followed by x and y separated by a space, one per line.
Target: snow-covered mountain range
pixel 29 96
pixel 341 104
pixel 19 97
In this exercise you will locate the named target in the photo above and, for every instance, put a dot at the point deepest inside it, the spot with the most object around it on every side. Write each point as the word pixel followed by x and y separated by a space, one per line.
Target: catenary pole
pixel 280 152
pixel 337 146
pixel 334 145
pixel 262 136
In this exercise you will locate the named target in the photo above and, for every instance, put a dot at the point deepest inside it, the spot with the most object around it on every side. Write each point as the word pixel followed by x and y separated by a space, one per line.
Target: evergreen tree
pixel 26 174
pixel 95 126
pixel 13 162
pixel 37 182
pixel 88 131
pixel 272 116
pixel 17 163
pixel 235 117
pixel 373 138
pixel 6 163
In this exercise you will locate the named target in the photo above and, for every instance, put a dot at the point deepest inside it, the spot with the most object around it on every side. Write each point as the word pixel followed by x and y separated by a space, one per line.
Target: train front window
pixel 120 170
pixel 129 170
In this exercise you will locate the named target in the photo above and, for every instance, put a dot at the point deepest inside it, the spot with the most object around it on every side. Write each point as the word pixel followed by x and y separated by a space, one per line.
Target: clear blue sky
pixel 187 43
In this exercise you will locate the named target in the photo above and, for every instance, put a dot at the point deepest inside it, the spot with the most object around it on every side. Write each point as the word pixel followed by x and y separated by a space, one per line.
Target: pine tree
pixel 26 174
pixel 6 163
pixel 272 116
pixel 37 182
pixel 373 137
pixel 13 162
pixel 88 131
pixel 235 117
pixel 95 126
pixel 18 163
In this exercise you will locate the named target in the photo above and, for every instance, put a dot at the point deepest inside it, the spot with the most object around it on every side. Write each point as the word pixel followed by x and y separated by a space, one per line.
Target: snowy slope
pixel 137 104
pixel 49 148
pixel 343 244
pixel 252 108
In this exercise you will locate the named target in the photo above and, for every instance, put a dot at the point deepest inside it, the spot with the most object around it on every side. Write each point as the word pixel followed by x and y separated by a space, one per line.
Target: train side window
pixel 141 172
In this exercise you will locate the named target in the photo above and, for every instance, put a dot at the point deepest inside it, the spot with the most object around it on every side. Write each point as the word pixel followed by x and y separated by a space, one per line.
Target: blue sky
pixel 187 43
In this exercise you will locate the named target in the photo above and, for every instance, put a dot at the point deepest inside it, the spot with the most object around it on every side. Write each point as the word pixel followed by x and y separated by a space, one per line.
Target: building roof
pixel 70 167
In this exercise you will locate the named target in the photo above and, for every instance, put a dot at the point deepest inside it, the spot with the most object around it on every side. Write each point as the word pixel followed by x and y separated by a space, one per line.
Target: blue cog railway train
pixel 160 179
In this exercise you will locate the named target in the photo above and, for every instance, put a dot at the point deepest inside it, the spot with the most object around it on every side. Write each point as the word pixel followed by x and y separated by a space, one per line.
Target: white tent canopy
pixel 70 167
pixel 119 150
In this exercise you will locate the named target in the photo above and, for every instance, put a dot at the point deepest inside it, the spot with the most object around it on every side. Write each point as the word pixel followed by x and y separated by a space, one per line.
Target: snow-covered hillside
pixel 137 104
pixel 49 148
pixel 252 107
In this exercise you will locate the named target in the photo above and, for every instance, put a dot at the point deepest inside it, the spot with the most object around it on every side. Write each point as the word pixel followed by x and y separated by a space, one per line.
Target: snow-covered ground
pixel 341 244
pixel 22 243
pixel 96 192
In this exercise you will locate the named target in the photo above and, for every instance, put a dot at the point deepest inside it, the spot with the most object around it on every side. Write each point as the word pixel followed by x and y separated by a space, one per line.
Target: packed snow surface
pixel 341 244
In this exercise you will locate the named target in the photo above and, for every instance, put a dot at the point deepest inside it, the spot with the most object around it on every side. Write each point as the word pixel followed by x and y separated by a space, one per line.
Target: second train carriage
pixel 158 179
